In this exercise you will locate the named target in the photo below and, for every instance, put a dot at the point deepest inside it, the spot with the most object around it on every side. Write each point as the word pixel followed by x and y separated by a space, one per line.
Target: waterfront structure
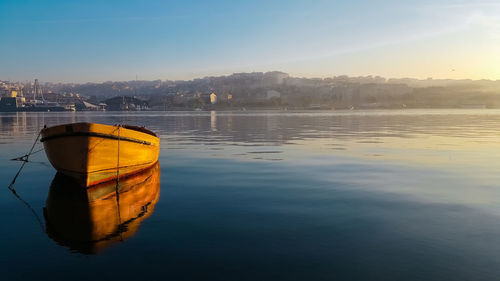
pixel 14 101
pixel 272 94
pixel 82 105
pixel 124 103
pixel 213 98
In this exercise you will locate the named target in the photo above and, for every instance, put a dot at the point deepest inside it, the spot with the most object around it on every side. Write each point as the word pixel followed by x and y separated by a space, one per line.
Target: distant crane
pixel 37 90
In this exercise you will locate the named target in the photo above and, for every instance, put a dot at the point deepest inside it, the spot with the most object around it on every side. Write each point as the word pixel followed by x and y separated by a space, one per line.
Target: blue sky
pixel 115 40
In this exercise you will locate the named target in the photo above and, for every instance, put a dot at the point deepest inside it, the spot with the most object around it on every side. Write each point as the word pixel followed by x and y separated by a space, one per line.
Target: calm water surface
pixel 361 195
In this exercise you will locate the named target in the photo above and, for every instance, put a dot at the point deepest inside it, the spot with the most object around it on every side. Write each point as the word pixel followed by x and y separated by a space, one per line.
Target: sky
pixel 96 40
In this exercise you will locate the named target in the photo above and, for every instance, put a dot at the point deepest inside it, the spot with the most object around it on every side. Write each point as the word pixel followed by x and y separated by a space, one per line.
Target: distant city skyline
pixel 92 41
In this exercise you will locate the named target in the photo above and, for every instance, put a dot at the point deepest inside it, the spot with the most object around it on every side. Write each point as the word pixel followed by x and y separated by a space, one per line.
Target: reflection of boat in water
pixel 89 220
pixel 95 153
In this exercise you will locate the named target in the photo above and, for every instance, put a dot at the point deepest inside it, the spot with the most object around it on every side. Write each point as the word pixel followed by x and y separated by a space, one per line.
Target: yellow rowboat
pixel 92 219
pixel 95 153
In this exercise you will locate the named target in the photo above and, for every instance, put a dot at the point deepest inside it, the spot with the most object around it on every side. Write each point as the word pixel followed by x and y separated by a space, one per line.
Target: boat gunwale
pixel 140 129
pixel 94 134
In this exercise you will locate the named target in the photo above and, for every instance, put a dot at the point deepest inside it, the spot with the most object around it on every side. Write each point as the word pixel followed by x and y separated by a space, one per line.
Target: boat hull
pixel 95 153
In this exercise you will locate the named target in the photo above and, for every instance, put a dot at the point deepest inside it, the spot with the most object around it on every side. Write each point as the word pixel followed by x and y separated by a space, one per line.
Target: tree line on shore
pixel 280 90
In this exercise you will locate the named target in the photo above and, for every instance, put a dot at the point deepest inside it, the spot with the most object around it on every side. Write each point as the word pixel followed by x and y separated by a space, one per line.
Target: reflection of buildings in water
pixel 89 220
pixel 272 125
pixel 213 120
pixel 13 123
pixel 24 123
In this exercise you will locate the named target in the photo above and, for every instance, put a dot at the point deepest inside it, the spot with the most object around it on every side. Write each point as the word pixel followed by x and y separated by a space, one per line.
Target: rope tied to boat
pixel 117 193
pixel 118 156
pixel 25 159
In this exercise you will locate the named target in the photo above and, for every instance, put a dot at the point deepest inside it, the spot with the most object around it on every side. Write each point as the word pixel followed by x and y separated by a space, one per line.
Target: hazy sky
pixel 95 40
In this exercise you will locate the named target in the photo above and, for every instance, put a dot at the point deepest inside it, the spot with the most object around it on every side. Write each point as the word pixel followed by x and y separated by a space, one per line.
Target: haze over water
pixel 340 195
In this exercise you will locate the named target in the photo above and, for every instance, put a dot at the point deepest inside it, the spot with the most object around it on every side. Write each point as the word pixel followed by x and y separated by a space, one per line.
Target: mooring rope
pixel 25 159
pixel 118 157
pixel 117 184
pixel 27 204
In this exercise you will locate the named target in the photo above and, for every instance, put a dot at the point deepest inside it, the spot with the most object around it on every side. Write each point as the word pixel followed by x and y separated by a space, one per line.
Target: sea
pixel 264 195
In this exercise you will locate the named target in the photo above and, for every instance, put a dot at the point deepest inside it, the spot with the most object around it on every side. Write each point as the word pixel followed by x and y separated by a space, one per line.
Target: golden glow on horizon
pixel 446 57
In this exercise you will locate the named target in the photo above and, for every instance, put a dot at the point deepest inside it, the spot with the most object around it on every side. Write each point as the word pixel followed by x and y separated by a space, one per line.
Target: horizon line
pixel 243 72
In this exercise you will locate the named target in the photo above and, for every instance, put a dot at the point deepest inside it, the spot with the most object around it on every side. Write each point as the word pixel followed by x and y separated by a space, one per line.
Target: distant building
pixel 9 103
pixel 82 105
pixel 213 98
pixel 272 94
pixel 224 97
pixel 124 103
pixel 179 99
